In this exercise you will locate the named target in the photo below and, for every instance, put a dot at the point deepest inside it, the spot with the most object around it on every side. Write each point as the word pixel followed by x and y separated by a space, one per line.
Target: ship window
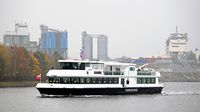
pixel 75 80
pixel 50 79
pixel 108 73
pixel 116 80
pixel 132 69
pixel 73 65
pixel 82 66
pixel 144 73
pixel 149 73
pixel 105 80
pixel 143 80
pixel 110 80
pixel 116 73
pixel 148 80
pixel 152 80
pixel 99 80
pixel 69 65
pixel 88 80
pixel 56 80
pixel 82 80
pixel 117 69
pixel 139 80
pixel 65 80
pixel 94 80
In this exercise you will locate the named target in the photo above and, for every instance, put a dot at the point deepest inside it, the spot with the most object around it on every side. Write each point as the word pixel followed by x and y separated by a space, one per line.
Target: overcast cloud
pixel 134 27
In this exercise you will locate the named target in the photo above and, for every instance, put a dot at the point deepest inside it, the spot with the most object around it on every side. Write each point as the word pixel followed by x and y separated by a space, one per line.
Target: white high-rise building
pixel 20 37
pixel 94 47
pixel 176 44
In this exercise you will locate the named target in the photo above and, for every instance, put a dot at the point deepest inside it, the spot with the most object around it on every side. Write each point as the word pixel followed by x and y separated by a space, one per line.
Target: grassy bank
pixel 18 84
pixel 179 77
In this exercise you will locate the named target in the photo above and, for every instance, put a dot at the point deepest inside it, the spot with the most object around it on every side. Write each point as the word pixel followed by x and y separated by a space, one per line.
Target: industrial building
pixel 20 37
pixel 176 44
pixel 33 46
pixel 53 41
pixel 94 46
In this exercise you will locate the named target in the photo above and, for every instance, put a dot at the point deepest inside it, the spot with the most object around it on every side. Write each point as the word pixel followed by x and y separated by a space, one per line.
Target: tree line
pixel 17 64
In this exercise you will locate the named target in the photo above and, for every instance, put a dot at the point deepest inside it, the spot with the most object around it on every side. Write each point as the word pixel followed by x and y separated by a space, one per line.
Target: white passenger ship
pixel 76 77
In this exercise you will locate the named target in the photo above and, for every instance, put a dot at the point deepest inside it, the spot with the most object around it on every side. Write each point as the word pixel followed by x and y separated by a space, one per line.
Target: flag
pixel 38 77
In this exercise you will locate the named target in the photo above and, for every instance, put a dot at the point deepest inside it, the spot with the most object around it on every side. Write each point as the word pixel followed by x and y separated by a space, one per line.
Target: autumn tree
pixel 44 62
pixel 4 60
pixel 54 59
pixel 35 65
pixel 22 64
pixel 17 64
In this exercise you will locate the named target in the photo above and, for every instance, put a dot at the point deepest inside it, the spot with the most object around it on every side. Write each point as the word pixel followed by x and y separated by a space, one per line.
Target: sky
pixel 135 28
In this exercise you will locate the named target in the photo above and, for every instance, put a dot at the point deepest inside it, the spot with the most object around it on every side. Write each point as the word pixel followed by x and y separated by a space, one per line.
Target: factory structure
pixel 176 44
pixel 53 41
pixel 20 37
pixel 94 46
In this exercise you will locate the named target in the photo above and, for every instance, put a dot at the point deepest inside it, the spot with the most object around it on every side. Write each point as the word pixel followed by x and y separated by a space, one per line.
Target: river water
pixel 176 97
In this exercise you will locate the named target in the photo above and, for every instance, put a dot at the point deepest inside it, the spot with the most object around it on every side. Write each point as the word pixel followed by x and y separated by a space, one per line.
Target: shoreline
pixel 180 77
pixel 8 84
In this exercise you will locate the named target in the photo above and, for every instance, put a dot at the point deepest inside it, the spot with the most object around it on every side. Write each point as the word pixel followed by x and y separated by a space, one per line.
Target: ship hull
pixel 100 91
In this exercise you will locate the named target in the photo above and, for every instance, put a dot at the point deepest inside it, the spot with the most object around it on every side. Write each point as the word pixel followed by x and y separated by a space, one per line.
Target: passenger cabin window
pixel 54 80
pixel 83 80
pixel 146 81
pixel 73 65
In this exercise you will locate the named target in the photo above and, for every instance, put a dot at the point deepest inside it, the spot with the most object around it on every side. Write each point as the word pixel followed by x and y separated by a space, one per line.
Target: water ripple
pixel 181 93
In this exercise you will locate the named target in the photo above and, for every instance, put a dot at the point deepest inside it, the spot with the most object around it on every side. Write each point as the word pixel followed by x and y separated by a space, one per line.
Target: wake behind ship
pixel 76 77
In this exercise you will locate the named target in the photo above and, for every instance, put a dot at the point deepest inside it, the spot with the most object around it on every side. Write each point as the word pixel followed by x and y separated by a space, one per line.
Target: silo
pixel 102 47
pixel 87 43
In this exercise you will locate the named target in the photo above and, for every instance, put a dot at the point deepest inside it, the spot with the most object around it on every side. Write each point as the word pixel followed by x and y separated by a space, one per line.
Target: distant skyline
pixel 134 27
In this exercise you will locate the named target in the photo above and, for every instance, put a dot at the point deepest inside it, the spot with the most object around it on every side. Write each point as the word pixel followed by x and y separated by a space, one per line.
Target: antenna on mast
pixel 176 29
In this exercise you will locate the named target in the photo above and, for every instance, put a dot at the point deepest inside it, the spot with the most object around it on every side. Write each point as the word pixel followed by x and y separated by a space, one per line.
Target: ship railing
pixel 145 73
pixel 113 73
